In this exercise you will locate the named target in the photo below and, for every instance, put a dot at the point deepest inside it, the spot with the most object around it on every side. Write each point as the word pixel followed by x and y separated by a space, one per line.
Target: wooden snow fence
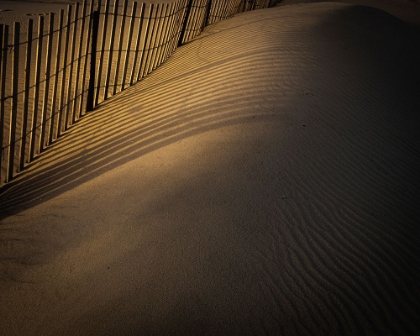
pixel 66 64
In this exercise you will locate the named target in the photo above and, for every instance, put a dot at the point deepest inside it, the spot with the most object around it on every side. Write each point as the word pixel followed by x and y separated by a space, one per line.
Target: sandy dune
pixel 263 181
pixel 406 10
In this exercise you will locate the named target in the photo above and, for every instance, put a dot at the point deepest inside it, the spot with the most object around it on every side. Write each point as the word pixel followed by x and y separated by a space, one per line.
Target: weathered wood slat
pixel 46 111
pixel 169 32
pixel 128 48
pixel 37 89
pixel 15 93
pixel 133 76
pixel 161 36
pixel 87 65
pixel 119 49
pixel 77 94
pixel 173 38
pixel 90 101
pixel 159 57
pixel 70 88
pixel 3 64
pixel 156 38
pixel 151 40
pixel 111 48
pixel 102 49
pixel 62 106
pixel 55 115
pixel 26 85
pixel 146 37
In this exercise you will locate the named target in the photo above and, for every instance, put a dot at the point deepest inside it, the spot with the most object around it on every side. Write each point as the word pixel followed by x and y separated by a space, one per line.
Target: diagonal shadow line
pixel 158 125
pixel 188 96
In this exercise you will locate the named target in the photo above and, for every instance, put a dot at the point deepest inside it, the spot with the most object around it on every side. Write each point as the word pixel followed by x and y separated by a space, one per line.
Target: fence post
pixel 184 24
pixel 206 22
pixel 15 92
pixel 4 33
pixel 91 89
pixel 26 96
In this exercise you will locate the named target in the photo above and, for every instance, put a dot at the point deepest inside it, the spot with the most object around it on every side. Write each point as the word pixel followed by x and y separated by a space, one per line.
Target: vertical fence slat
pixel 111 48
pixel 64 81
pixel 224 13
pixel 102 49
pixel 3 98
pixel 91 89
pixel 138 42
pixel 192 21
pixel 159 40
pixel 15 92
pixel 129 42
pixel 26 92
pixel 229 8
pixel 77 94
pixel 56 88
pixel 156 37
pixel 179 21
pixel 88 67
pixel 46 100
pixel 151 39
pixel 173 31
pixel 164 34
pixel 120 46
pixel 185 22
pixel 207 20
pixel 36 87
pixel 2 95
pixel 143 51
pixel 198 20
pixel 73 40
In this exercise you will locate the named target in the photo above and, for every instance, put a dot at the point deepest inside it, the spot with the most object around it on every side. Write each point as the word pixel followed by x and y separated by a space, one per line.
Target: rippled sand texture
pixel 263 181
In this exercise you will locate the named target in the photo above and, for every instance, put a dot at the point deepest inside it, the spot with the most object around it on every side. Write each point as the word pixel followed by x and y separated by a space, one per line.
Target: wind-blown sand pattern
pixel 263 181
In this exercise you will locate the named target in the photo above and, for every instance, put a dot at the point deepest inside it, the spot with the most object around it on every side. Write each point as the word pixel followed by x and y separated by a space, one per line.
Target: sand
pixel 262 181
pixel 405 10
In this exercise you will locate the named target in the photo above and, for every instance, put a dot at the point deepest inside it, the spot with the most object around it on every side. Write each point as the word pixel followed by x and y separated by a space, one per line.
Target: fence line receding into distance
pixel 67 64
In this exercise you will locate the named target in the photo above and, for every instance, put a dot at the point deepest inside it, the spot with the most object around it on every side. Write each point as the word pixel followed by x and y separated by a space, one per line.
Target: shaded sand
pixel 406 10
pixel 262 181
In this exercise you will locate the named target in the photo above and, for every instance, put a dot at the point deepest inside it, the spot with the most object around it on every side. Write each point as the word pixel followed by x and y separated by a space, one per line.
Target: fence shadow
pixel 93 52
pixel 182 99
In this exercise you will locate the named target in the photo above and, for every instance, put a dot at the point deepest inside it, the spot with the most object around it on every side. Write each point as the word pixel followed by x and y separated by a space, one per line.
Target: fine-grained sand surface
pixel 263 181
